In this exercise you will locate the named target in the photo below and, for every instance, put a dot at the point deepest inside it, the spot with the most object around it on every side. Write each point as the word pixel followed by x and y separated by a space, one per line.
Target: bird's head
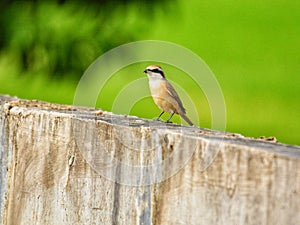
pixel 154 71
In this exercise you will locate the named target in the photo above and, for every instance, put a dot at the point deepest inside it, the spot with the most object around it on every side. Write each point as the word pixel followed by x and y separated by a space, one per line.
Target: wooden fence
pixel 73 165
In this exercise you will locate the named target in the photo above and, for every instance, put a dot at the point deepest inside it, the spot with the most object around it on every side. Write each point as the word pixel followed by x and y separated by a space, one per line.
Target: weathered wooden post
pixel 73 165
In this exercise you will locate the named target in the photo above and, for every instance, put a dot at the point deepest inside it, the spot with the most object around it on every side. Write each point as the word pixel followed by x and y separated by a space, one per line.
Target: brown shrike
pixel 164 95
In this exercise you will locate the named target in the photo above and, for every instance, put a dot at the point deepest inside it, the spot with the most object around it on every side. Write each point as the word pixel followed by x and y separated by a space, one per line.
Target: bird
pixel 164 94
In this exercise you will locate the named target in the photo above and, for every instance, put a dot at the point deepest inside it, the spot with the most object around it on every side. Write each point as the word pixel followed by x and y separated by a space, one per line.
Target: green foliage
pixel 63 39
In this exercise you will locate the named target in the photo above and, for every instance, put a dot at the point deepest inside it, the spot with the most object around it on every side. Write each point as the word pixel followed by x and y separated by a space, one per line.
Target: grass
pixel 251 46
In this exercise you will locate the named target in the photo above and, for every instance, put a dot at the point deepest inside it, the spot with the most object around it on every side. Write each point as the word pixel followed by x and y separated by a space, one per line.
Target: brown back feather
pixel 173 94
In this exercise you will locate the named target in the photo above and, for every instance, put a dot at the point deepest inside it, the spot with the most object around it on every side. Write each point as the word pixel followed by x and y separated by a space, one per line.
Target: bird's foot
pixel 168 121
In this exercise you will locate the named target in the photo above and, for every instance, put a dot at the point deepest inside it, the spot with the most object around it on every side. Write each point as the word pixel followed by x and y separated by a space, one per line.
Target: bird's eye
pixel 156 71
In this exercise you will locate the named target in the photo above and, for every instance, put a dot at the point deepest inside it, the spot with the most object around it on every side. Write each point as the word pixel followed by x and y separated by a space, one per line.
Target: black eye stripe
pixel 156 71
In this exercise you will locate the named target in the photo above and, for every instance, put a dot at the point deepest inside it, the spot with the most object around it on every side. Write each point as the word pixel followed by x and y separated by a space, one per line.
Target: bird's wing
pixel 174 95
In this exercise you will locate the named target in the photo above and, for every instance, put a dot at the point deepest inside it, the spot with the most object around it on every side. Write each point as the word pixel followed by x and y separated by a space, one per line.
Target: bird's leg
pixel 158 118
pixel 168 121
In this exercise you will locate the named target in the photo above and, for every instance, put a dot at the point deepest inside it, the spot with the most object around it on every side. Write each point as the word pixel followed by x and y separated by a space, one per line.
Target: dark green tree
pixel 61 38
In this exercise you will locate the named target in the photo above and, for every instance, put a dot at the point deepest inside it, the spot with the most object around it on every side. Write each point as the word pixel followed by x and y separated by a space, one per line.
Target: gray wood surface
pixel 73 165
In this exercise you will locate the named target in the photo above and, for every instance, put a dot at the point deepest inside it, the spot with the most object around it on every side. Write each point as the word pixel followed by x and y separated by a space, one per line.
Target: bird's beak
pixel 145 71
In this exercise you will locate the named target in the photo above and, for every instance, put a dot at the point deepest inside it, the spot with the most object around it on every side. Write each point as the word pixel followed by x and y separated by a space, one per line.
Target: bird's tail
pixel 186 119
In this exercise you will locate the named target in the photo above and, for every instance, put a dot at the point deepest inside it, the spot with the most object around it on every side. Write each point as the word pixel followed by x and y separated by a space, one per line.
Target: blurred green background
pixel 253 48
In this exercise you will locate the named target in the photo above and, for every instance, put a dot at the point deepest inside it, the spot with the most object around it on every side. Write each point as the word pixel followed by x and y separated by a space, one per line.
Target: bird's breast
pixel 159 94
pixel 157 87
pixel 155 83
